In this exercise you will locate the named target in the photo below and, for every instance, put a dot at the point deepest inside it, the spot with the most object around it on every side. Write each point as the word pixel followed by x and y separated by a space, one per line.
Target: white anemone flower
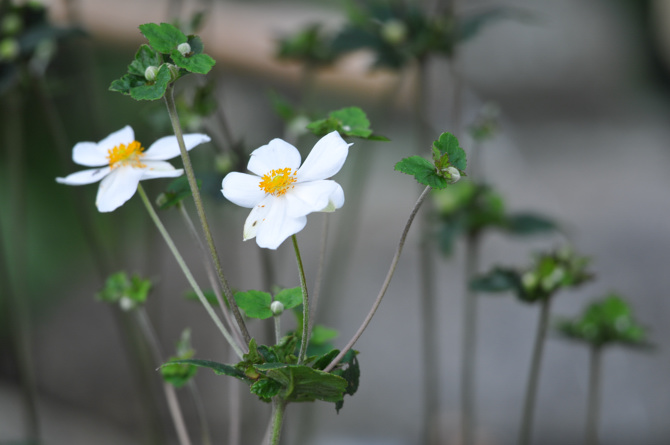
pixel 122 163
pixel 281 192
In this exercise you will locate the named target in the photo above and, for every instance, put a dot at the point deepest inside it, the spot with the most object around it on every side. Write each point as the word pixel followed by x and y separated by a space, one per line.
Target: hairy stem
pixel 278 408
pixel 176 127
pixel 187 271
pixel 305 303
pixel 534 375
pixel 385 285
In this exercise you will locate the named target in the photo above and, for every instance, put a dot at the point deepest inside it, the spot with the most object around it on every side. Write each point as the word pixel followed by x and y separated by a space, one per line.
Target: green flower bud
pixel 394 31
pixel 150 73
pixel 277 307
pixel 9 49
pixel 184 49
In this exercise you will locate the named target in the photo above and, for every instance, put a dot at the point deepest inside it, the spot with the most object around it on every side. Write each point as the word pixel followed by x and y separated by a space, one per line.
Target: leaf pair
pixel 447 155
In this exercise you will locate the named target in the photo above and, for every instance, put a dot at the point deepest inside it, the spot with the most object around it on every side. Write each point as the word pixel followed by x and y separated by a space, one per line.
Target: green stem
pixel 316 291
pixel 278 408
pixel 277 319
pixel 534 376
pixel 385 285
pixel 176 127
pixel 305 303
pixel 186 271
pixel 170 393
pixel 469 346
pixel 593 409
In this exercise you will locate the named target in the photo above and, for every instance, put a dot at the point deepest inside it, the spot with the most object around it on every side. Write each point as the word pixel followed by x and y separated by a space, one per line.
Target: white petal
pixel 89 154
pixel 117 188
pixel 242 189
pixel 256 218
pixel 276 154
pixel 270 223
pixel 85 176
pixel 335 201
pixel 308 197
pixel 167 147
pixel 326 158
pixel 126 135
pixel 160 169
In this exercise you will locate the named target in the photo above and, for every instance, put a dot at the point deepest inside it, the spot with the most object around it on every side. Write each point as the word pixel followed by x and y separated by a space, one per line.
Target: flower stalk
pixel 176 126
pixel 305 303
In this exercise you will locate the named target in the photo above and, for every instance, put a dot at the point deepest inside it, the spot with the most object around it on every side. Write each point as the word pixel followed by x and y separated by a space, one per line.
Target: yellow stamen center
pixel 278 182
pixel 123 154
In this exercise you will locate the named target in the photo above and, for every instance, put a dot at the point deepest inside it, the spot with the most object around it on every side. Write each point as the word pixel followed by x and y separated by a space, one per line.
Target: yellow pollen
pixel 278 182
pixel 123 154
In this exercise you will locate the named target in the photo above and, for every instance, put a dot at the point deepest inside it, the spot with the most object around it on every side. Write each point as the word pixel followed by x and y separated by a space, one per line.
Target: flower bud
pixel 126 304
pixel 394 31
pixel 277 307
pixel 454 173
pixel 150 73
pixel 174 72
pixel 184 49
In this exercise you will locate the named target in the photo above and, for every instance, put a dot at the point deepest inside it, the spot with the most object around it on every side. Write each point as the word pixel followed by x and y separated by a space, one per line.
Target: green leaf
pixel 322 334
pixel 210 296
pixel 218 368
pixel 197 63
pixel 153 90
pixel 301 383
pixel 422 170
pixel 178 374
pixel 498 280
pixel 351 121
pixel 448 144
pixel 266 389
pixel 349 369
pixel 529 224
pixel 255 304
pixel 126 83
pixel 164 37
pixel 145 57
pixel 175 192
pixel 290 298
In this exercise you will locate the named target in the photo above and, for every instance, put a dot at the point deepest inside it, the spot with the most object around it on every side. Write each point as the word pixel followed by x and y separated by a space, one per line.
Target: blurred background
pixel 582 89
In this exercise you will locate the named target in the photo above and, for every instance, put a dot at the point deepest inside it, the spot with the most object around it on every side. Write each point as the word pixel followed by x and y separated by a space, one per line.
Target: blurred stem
pixel 170 393
pixel 534 375
pixel 305 303
pixel 278 408
pixel 18 299
pixel 316 292
pixel 469 346
pixel 593 409
pixel 385 285
pixel 211 275
pixel 187 271
pixel 176 126
pixel 202 413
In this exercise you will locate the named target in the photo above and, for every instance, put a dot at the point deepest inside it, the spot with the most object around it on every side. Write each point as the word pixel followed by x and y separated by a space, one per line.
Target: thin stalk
pixel 277 320
pixel 187 271
pixel 202 413
pixel 534 376
pixel 170 393
pixel 211 274
pixel 385 285
pixel 469 346
pixel 593 408
pixel 176 127
pixel 18 299
pixel 234 412
pixel 305 302
pixel 278 408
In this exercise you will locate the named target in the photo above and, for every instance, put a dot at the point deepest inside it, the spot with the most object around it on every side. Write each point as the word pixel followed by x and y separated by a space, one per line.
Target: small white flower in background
pixel 281 193
pixel 122 163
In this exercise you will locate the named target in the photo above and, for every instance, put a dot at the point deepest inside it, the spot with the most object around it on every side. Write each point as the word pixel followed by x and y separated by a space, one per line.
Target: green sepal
pixel 423 171
pixel 351 121
pixel 175 192
pixel 218 368
pixel 255 304
pixel 164 37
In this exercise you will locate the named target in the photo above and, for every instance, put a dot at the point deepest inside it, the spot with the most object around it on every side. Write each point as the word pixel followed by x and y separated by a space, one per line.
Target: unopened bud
pixel 454 173
pixel 126 304
pixel 150 73
pixel 277 307
pixel 394 31
pixel 184 49
pixel 174 72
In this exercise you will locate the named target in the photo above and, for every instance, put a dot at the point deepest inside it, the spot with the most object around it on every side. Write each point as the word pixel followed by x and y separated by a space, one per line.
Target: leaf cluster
pixel 273 371
pixel 256 304
pixel 549 273
pixel 351 121
pixel 469 208
pixel 448 164
pixel 127 291
pixel 178 374
pixel 163 53
pixel 605 322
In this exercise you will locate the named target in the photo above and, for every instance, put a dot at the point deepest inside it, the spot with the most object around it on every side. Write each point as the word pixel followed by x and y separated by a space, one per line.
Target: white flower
pixel 281 193
pixel 122 163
